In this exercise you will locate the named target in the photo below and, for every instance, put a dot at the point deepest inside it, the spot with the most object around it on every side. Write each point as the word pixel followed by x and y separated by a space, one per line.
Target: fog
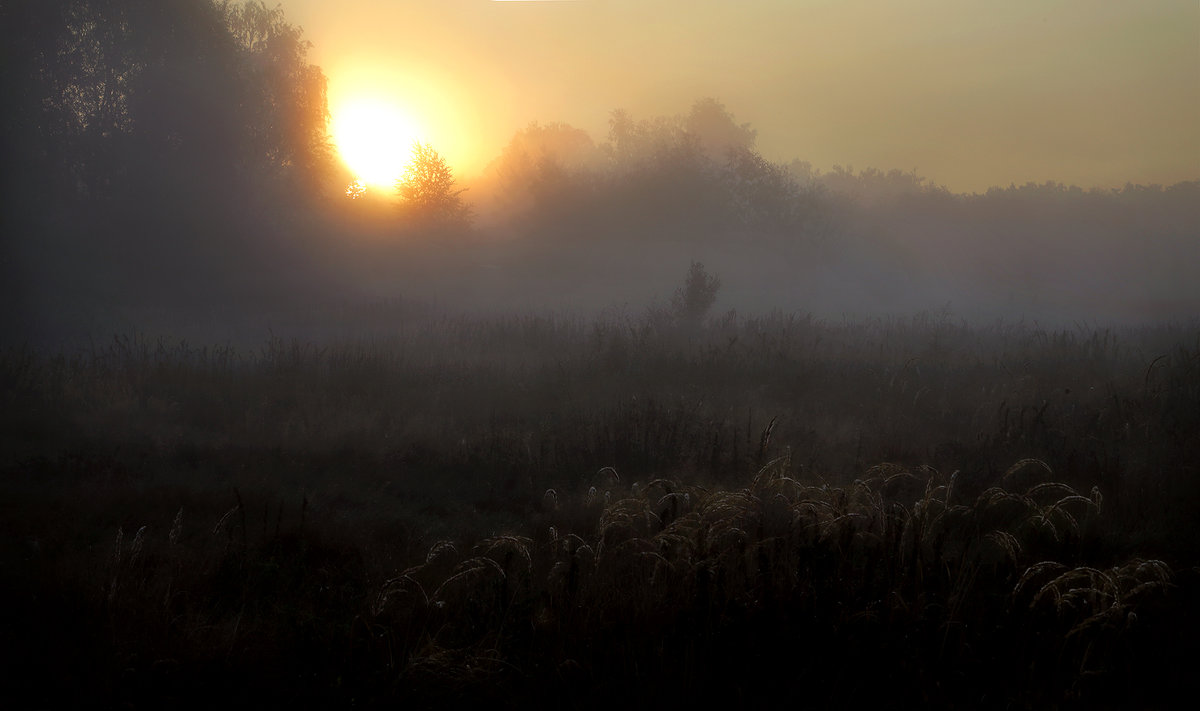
pixel 652 388
pixel 166 169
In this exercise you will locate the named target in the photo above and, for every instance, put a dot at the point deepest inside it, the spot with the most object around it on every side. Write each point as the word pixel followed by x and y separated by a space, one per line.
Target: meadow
pixel 570 512
pixel 282 483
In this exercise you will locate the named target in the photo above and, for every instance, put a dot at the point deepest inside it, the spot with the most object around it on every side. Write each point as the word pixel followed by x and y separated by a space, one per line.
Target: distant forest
pixel 166 157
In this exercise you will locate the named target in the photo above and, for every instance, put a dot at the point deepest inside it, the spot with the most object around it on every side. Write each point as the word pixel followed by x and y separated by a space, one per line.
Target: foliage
pixel 128 93
pixel 534 146
pixel 688 175
pixel 153 151
pixel 289 94
pixel 691 302
pixel 545 168
pixel 765 196
pixel 717 130
pixel 427 192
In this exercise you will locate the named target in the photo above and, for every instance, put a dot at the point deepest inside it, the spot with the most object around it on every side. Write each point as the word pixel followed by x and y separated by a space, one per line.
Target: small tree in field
pixel 427 190
pixel 692 302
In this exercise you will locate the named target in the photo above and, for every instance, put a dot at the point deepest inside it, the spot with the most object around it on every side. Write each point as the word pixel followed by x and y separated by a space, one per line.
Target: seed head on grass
pixel 467 577
pixel 1027 468
pixel 442 550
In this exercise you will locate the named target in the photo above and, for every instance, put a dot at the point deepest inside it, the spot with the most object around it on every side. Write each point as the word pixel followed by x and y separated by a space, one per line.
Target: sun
pixel 375 139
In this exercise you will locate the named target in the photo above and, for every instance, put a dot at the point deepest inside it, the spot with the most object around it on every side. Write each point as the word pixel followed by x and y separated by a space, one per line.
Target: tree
pixel 545 166
pixel 288 95
pixel 144 142
pixel 427 190
pixel 692 302
pixel 124 97
pixel 717 131
pixel 764 195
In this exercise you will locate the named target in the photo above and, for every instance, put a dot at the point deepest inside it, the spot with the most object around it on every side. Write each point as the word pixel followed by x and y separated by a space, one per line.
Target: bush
pixel 692 302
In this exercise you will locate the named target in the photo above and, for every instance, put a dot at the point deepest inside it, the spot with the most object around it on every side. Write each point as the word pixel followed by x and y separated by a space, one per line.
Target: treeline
pixel 1042 250
pixel 173 155
pixel 151 148
pixel 699 173
pixel 124 99
pixel 665 177
pixel 787 235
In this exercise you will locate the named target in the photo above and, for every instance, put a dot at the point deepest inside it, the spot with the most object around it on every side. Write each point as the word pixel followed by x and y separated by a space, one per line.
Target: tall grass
pixel 557 511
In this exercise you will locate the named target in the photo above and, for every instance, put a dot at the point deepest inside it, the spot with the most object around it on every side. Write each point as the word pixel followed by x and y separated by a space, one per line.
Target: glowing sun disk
pixel 375 139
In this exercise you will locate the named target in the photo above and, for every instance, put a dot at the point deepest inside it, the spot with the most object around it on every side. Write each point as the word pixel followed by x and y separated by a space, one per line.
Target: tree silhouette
pixel 290 135
pixel 128 97
pixel 692 302
pixel 764 196
pixel 717 131
pixel 148 145
pixel 545 166
pixel 427 190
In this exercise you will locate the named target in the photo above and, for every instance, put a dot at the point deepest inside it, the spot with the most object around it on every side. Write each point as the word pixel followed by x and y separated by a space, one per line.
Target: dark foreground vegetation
pixel 649 511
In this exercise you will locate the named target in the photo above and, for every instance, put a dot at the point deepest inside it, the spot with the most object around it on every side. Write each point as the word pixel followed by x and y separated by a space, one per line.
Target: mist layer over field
pixel 636 415
pixel 583 239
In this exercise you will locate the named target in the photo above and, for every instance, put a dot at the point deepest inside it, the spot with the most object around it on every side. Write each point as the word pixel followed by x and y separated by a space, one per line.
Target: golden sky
pixel 970 93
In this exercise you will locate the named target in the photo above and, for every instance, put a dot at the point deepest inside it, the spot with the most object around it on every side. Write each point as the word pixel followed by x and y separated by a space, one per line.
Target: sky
pixel 968 93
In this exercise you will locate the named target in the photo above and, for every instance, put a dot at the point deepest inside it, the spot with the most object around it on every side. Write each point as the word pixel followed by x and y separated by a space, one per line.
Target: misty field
pixel 563 512
pixel 403 408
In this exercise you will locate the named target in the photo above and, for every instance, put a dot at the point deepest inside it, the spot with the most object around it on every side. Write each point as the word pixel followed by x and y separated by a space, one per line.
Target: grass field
pixel 564 512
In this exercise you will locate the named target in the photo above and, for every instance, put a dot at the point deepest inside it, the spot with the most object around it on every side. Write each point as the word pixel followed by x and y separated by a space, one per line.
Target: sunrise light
pixel 375 138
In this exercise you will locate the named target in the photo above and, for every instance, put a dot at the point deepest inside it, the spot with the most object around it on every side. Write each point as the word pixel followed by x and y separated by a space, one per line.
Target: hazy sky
pixel 970 93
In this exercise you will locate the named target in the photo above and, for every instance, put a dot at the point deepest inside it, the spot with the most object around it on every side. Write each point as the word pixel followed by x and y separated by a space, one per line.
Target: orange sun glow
pixel 375 139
